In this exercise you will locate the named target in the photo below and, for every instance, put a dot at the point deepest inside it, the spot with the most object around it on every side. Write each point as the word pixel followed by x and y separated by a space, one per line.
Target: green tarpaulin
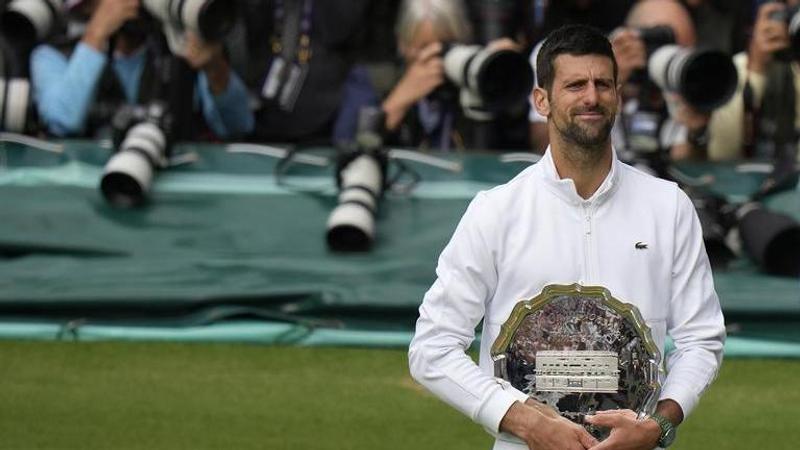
pixel 225 243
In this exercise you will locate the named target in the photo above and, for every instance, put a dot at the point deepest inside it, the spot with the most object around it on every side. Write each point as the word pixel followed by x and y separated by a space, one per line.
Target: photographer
pixel 763 111
pixel 79 84
pixel 675 127
pixel 422 109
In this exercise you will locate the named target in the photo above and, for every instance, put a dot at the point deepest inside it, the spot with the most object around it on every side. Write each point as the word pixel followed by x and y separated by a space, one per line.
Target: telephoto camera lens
pixel 496 79
pixel 29 21
pixel 771 239
pixel 705 79
pixel 212 19
pixel 15 105
pixel 128 175
pixel 361 177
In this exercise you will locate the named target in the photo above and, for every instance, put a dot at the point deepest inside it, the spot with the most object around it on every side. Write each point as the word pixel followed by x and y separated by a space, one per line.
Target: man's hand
pixel 543 429
pixel 208 57
pixel 627 432
pixel 629 52
pixel 109 16
pixel 425 74
pixel 769 36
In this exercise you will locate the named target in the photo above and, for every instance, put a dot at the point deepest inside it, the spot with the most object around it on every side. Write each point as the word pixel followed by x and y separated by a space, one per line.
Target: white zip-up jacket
pixel 536 230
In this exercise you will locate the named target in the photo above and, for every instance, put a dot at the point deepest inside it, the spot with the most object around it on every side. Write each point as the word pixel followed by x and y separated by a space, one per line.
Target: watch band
pixel 667 436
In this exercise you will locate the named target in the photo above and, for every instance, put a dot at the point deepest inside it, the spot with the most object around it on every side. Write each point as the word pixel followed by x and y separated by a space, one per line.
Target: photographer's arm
pixel 64 89
pixel 425 74
pixel 223 95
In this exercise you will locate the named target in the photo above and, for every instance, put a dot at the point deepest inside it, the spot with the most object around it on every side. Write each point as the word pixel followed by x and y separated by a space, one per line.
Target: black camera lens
pixel 216 19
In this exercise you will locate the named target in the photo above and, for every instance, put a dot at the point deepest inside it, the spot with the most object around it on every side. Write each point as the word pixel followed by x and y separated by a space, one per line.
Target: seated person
pixel 77 89
pixel 677 129
pixel 763 112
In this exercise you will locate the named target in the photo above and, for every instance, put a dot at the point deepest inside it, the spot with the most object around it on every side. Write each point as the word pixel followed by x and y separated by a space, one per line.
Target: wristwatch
pixel 667 430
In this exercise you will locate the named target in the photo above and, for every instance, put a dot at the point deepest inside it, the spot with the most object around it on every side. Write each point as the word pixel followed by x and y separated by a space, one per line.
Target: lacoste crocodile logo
pixel 641 246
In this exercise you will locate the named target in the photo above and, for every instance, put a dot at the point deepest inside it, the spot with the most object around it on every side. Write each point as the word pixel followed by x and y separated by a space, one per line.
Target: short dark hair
pixel 576 40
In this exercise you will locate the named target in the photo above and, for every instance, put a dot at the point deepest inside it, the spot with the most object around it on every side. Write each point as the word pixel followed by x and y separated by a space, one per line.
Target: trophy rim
pixel 525 307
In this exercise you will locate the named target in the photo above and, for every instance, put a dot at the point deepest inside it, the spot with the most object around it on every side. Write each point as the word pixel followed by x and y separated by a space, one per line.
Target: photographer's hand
pixel 769 36
pixel 629 52
pixel 504 44
pixel 425 74
pixel 106 19
pixel 208 57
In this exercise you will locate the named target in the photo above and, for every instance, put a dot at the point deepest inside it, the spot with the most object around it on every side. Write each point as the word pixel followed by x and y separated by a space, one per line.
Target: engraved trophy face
pixel 579 350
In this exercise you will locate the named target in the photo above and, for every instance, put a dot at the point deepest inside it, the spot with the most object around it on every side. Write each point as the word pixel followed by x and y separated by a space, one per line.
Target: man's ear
pixel 541 101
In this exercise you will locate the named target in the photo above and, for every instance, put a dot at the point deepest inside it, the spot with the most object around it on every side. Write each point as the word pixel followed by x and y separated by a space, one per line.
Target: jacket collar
pixel 565 188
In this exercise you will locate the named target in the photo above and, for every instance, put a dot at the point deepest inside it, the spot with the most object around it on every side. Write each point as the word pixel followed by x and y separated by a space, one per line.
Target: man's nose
pixel 590 95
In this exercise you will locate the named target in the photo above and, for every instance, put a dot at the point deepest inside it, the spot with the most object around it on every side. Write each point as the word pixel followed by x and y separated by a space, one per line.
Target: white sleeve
pixel 695 320
pixel 449 313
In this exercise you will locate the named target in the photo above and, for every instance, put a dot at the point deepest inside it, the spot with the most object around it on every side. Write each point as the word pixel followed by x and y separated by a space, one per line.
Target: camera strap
pixel 4 102
pixel 776 114
pixel 750 120
pixel 110 94
pixel 436 119
pixel 291 53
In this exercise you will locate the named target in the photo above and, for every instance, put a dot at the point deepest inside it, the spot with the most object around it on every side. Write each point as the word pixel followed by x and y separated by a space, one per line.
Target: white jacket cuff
pixel 497 404
pixel 685 398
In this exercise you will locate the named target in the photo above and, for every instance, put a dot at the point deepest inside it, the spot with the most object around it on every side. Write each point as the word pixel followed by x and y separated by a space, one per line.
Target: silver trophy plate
pixel 579 350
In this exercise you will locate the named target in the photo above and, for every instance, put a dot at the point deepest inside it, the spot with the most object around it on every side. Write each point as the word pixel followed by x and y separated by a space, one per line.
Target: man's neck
pixel 587 169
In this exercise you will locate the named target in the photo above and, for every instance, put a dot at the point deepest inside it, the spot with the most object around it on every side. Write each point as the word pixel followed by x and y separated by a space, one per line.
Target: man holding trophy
pixel 579 267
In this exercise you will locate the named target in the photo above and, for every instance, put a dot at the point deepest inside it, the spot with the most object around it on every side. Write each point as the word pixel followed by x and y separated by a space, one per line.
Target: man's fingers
pixel 608 444
pixel 586 439
pixel 604 420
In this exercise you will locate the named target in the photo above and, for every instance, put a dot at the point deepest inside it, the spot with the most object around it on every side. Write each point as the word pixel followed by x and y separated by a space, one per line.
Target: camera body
pixel 142 139
pixel 791 16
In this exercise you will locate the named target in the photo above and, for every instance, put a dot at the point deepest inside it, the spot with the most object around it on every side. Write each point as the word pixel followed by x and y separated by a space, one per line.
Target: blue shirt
pixel 64 90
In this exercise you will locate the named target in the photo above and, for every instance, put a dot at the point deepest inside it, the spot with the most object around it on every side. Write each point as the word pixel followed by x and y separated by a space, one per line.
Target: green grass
pixel 122 395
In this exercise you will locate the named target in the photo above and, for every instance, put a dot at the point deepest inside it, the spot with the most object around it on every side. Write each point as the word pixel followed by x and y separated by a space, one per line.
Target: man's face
pixel 583 101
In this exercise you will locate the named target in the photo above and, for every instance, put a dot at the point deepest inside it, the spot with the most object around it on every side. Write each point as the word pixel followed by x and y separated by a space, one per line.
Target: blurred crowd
pixel 700 79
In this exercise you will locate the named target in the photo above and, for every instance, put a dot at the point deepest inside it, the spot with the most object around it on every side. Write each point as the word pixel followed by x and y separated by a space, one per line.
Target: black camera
pixel 142 140
pixel 704 78
pixel 491 80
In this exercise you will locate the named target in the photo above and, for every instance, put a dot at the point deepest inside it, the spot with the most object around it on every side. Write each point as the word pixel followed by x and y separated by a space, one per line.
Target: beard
pixel 585 135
